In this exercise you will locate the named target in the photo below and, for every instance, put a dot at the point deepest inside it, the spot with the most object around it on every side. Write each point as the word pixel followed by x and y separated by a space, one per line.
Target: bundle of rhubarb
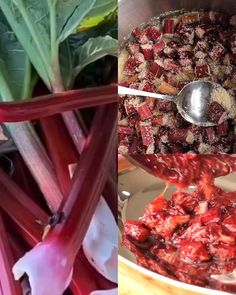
pixel 190 237
pixel 163 56
pixel 57 202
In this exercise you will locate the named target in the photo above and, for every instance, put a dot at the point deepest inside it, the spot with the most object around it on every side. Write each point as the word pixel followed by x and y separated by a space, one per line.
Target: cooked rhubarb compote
pixel 163 56
pixel 190 237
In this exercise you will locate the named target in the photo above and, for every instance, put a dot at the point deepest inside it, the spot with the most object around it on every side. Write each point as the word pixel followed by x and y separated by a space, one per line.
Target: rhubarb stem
pixel 47 105
pixel 22 209
pixel 8 285
pixel 37 161
pixel 89 179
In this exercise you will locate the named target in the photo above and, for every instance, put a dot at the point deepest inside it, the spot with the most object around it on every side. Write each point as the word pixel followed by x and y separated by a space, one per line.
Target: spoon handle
pixel 129 91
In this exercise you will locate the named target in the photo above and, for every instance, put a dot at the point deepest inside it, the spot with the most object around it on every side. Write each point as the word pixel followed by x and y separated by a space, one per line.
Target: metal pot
pixel 132 13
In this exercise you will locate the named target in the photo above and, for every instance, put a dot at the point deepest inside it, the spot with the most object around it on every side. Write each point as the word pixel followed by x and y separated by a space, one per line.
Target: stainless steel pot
pixel 132 13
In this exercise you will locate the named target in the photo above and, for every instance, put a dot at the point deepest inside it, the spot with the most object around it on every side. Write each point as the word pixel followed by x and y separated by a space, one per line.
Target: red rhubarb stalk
pixel 37 161
pixel 56 254
pixel 60 149
pixel 47 105
pixel 8 285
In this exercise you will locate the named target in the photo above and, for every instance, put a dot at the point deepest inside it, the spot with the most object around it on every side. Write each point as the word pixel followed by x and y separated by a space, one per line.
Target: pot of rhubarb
pixel 165 45
pixel 179 225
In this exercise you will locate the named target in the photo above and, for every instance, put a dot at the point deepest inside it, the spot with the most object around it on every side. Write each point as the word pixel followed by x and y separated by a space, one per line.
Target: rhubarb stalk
pixel 8 285
pixel 57 252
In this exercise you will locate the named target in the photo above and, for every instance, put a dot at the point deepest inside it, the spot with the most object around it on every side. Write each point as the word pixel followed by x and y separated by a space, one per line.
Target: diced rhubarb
pixel 147 51
pixel 171 65
pixel 217 51
pixel 133 48
pixel 144 111
pixel 186 33
pixel 131 64
pixel 157 120
pixel 166 106
pixel 169 27
pixel 133 120
pixel 193 252
pixel 223 252
pixel 151 102
pixel 167 89
pixel 156 69
pixel 215 112
pixel 178 135
pixel 211 135
pixel 202 71
pixel 222 129
pixel 129 105
pixel 158 48
pixel 140 36
pixel 153 33
pixel 212 215
pixel 230 223
pixel 124 130
pixel 159 204
pixel 190 17
pixel 147 134
pixel 147 86
pixel 136 230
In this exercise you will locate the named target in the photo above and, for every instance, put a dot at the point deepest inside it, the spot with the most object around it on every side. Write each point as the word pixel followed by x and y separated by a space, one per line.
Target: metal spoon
pixel 192 101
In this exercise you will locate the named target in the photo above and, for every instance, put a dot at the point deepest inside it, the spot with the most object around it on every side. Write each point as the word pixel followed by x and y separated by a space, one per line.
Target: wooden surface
pixel 133 282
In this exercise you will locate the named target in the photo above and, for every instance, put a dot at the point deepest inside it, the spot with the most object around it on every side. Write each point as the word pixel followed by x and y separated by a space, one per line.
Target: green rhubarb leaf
pixel 100 10
pixel 94 49
pixel 30 22
pixel 41 26
pixel 70 15
pixel 15 67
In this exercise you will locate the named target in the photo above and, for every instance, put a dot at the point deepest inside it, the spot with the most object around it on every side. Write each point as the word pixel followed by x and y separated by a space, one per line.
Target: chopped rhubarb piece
pixel 222 129
pixel 153 33
pixel 147 51
pixel 202 71
pixel 125 130
pixel 230 223
pixel 211 135
pixel 223 252
pixel 193 252
pixel 166 106
pixel 217 51
pixel 167 89
pixel 169 27
pixel 158 48
pixel 159 204
pixel 186 33
pixel 140 36
pixel 136 231
pixel 190 17
pixel 151 102
pixel 178 135
pixel 171 65
pixel 147 134
pixel 219 234
pixel 200 30
pixel 185 200
pixel 147 86
pixel 157 120
pixel 129 105
pixel 156 69
pixel 133 120
pixel 212 215
pixel 131 64
pixel 215 112
pixel 144 111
